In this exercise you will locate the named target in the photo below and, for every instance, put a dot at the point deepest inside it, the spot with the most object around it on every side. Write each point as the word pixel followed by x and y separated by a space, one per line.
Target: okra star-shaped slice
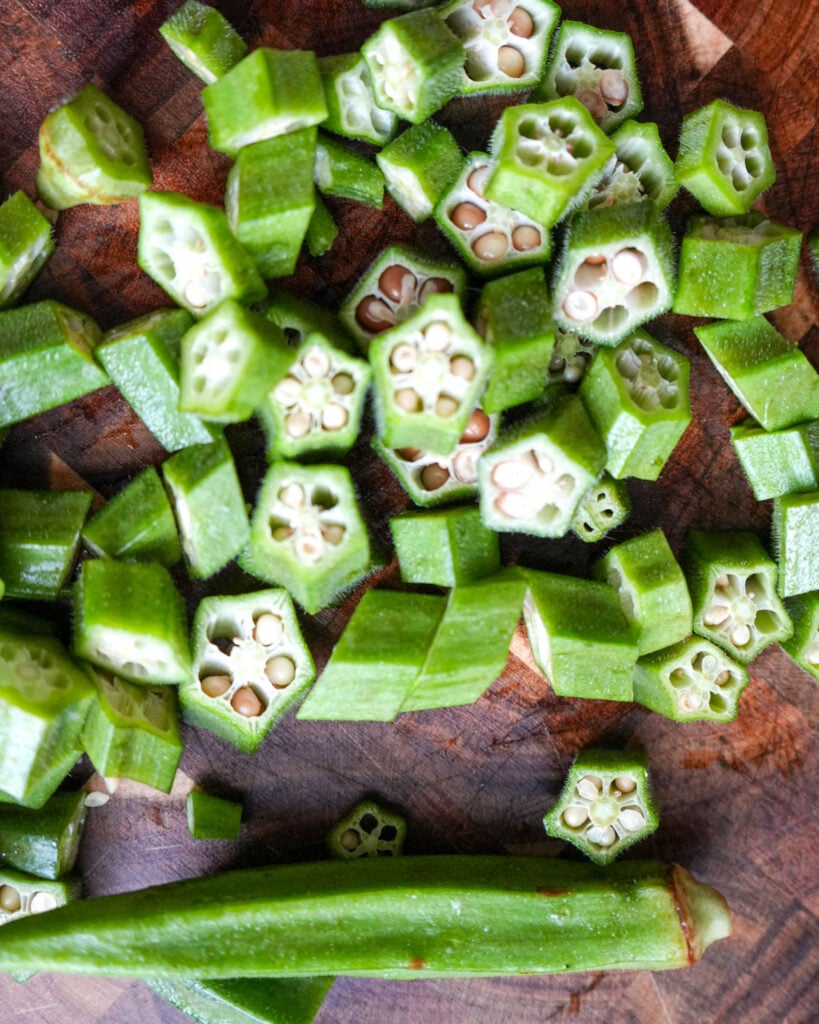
pixel 639 170
pixel 351 108
pixel 606 804
pixel 369 830
pixel 605 506
pixel 249 664
pixel 22 894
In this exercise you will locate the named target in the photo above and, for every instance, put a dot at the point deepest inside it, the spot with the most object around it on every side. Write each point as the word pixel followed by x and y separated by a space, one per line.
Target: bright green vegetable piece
pixel 606 804
pixel 298 318
pixel 605 506
pixel 388 917
pixel 446 548
pixel 48 780
pixel 795 532
pixel 129 619
pixel 91 151
pixel 724 160
pixel 39 540
pixel 351 108
pixel 204 40
pixel 570 357
pixel 778 462
pixel 46 359
pixel 25 246
pixel 340 171
pixel 43 842
pixel 640 169
pixel 268 93
pixel 23 895
pixel 419 166
pixel 803 646
pixel 771 377
pixel 212 817
pixel 322 230
pixel 250 664
pixel 367 831
pixel 244 1000
pixel 377 659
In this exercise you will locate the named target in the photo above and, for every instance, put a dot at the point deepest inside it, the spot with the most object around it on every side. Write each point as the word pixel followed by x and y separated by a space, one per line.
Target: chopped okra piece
pixel 732 582
pixel 137 524
pixel 514 316
pixel 25 246
pixel 447 548
pixel 778 461
pixel 46 359
pixel 395 286
pixel 250 664
pixel 132 732
pixel 506 41
pixel 492 237
pixel 191 253
pixel 351 108
pixel 724 160
pixel 736 267
pixel 316 404
pixel 322 230
pixel 581 640
pixel 298 318
pixel 432 479
pixel 212 817
pixel 22 894
pixel 369 830
pixel 637 397
pixel 247 1000
pixel 204 40
pixel 640 169
pixel 604 506
pixel 39 540
pixel 689 682
pixel 803 646
pixel 142 357
pixel 268 93
pixel 533 478
pixel 129 619
pixel 43 842
pixel 597 67
pixel 771 377
pixel 419 166
pixel 377 658
pixel 652 589
pixel 795 531
pixel 91 151
pixel 340 171
pixel 307 533
pixel 415 64
pixel 270 199
pixel 570 357
pixel 606 804
pixel 617 270
pixel 548 157
pixel 48 779
pixel 210 510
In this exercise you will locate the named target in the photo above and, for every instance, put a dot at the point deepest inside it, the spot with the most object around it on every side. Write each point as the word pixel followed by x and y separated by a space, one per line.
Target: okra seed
pixel 343 384
pixel 334 417
pixel 491 246
pixel 590 787
pixel 10 900
pixel 403 358
pixel 723 678
pixel 525 238
pixel 594 103
pixel 628 266
pixel 467 216
pixel 397 283
pixel 511 475
pixel 433 286
pixel 246 703
pixel 350 840
pixel 575 816
pixel 477 428
pixel 309 548
pixel 282 532
pixel 298 423
pixel 409 454
pixel 333 533
pixel 477 180
pixel 515 505
pixel 715 615
pixel 520 23
pixel 631 819
pixel 741 635
pixel 565 483
pixel 287 391
pixel 374 314
pixel 591 271
pixel 434 477
pixel 292 495
pixel 215 686
pixel 40 902
pixel 438 336
pixel 462 366
pixel 446 406
pixel 268 629
pixel 316 362
pixel 614 87
pixel 408 400
pixel 580 306
pixel 281 671
pixel 689 701
pixel 511 61
pixel 465 465
pixel 625 784
pixel 602 836
pixel 545 463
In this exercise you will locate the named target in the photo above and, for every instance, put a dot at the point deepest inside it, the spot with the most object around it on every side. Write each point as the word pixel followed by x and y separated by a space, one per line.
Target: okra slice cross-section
pixel 351 108
pixel 22 895
pixel 203 39
pixel 369 830
pixel 640 169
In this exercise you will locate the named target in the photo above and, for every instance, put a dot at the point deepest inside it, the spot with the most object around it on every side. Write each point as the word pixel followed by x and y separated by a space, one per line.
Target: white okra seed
pixel 309 547
pixel 515 505
pixel 297 424
pixel 281 671
pixel 438 336
pixel 689 701
pixel 574 816
pixel 408 400
pixel 625 783
pixel 580 306
pixel 511 474
pixel 462 366
pixel 740 635
pixel 511 61
pixel 477 180
pixel 292 495
pixel 403 357
pixel 343 384
pixel 268 629
pixel 628 266
pixel 715 615
pixel 316 362
pixel 350 840
pixel 287 391
pixel 446 407
pixel 589 787
pixel 465 466
pixel 333 533
pixel 334 417
pixel 40 902
pixel 631 819
pixel 10 900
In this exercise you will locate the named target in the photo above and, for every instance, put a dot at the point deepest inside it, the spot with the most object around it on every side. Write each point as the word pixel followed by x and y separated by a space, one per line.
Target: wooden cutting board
pixel 737 801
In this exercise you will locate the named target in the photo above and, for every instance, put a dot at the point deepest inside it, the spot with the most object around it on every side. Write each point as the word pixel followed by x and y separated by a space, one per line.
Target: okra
pixel 43 842
pixel 203 39
pixel 25 246
pixel 23 895
pixel 803 646
pixel 605 506
pixel 640 169
pixel 419 166
pixel 367 831
pixel 341 171
pixel 570 357
pixel 795 531
pixel 298 318
pixel 778 462
pixel 244 1000
pixel 351 108
pixel 446 548
pixel 322 230
pixel 212 817
pixel 55 771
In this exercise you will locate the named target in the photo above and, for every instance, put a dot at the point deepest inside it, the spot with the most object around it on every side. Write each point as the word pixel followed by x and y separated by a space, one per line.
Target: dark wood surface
pixel 737 801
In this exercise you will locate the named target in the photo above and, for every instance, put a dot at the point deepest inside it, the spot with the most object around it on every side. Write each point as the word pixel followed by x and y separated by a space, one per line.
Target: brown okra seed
pixel 491 246
pixel 397 282
pixel 246 703
pixel 477 428
pixel 594 103
pixel 268 629
pixel 215 686
pixel 374 314
pixel 10 900
pixel 467 216
pixel 613 87
pixel 409 454
pixel 511 61
pixel 526 237
pixel 434 286
pixel 477 180
pixel 281 671
pixel 434 476
pixel 520 23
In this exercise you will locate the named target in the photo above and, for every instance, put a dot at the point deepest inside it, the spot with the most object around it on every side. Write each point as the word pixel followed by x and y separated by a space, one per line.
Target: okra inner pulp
pixel 429 373
pixel 535 484
pixel 698 683
pixel 303 517
pixel 432 472
pixel 602 813
pixel 15 903
pixel 316 394
pixel 742 608
pixel 608 288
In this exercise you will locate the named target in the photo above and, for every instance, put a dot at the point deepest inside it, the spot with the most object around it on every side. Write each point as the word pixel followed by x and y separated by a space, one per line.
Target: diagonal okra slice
pixel 307 533
pixel 46 359
pixel 795 530
pixel 25 246
pixel 22 894
pixel 298 318
pixel 39 540
pixel 44 842
pixel 377 659
pixel 129 619
pixel 369 830
pixel 419 166
pixel 351 108
pixel 640 169
pixel 322 229
pixel 250 664
pixel 341 171
pixel 203 39
pixel 604 506
pixel 212 817
pixel 724 160
pixel 428 374
pixel 803 646
pixel 244 1000
pixel 191 253
pixel 778 462
pixel 691 681
pixel 448 547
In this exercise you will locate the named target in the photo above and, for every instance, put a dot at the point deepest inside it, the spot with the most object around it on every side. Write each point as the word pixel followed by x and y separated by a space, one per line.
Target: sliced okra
pixel 692 681
pixel 604 506
pixel 369 830
pixel 533 478
pixel 91 151
pixel 771 377
pixel 724 160
pixel 54 772
pixel 606 804
pixel 191 253
pixel 415 63
pixel 204 40
pixel 447 548
pixel 351 108
pixel 43 842
pixel 428 374
pixel 250 664
pixel 736 267
pixel 795 532
pixel 307 533
pixel 732 581
pixel 419 166
pixel 493 237
pixel 640 169
pixel 46 359
pixel 803 646
pixel 247 1000
pixel 212 817
pixel 270 199
pixel 778 462
pixel 340 171
pixel 617 270
pixel 298 318
pixel 316 404
pixel 570 357
pixel 39 540
pixel 25 246
pixel 129 619
pixel 22 895
pixel 132 732
pixel 547 158
pixel 322 229
pixel 268 93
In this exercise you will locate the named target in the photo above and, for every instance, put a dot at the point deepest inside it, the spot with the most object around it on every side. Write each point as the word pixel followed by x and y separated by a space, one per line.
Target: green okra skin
pixel 340 171
pixel 446 547
pixel 795 532
pixel 24 895
pixel 204 40
pixel 212 817
pixel 803 646
pixel 39 540
pixel 778 462
pixel 367 831
pixel 25 246
pixel 388 917
pixel 640 169
pixel 46 359
pixel 298 318
pixel 39 791
pixel 377 659
pixel 772 378
pixel 322 229
pixel 418 166
pixel 605 506
pixel 351 108
pixel 43 842
pixel 244 1000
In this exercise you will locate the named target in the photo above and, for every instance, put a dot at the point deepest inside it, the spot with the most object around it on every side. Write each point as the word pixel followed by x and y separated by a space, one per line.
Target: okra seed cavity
pixel 467 216
pixel 215 686
pixel 614 87
pixel 491 246
pixel 10 900
pixel 245 702
pixel 511 61
pixel 268 629
pixel 281 671
pixel 40 902
pixel 434 477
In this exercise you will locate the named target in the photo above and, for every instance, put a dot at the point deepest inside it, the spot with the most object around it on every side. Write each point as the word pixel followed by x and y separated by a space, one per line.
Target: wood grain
pixel 737 800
